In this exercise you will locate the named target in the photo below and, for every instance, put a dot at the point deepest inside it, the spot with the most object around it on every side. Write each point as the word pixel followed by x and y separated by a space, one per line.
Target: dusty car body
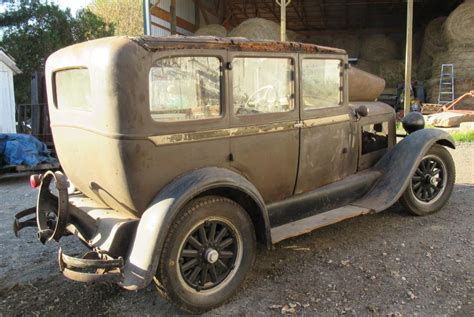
pixel 150 131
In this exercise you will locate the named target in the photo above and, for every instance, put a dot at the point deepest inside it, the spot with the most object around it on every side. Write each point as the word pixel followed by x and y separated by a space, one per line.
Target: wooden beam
pixel 408 57
pixel 165 15
pixel 173 17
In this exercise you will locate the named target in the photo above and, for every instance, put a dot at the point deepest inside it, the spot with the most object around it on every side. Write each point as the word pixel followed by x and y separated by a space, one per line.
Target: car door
pixel 264 121
pixel 328 150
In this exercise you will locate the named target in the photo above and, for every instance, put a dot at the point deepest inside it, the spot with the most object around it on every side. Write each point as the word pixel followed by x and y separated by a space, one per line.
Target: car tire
pixel 431 186
pixel 212 234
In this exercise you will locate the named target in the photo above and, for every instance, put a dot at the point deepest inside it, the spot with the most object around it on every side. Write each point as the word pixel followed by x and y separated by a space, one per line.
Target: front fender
pixel 398 165
pixel 152 230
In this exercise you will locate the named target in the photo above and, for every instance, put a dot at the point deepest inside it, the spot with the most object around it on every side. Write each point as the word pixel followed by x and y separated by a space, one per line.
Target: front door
pixel 264 121
pixel 328 150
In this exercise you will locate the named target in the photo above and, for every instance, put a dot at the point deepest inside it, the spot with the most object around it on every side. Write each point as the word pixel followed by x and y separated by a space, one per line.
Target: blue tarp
pixel 23 149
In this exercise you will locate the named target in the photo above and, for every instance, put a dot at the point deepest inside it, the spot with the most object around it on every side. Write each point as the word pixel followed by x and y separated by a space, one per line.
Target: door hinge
pixel 299 124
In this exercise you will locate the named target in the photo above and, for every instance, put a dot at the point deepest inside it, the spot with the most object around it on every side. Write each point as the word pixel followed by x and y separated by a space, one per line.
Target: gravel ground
pixel 383 264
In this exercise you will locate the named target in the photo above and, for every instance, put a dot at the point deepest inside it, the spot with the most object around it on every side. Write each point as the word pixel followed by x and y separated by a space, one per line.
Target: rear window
pixel 185 88
pixel 73 89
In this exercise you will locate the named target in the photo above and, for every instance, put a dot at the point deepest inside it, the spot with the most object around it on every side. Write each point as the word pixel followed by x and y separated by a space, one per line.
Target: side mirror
pixel 362 111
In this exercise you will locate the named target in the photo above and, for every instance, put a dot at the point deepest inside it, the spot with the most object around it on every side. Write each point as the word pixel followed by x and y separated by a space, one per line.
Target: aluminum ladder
pixel 446 84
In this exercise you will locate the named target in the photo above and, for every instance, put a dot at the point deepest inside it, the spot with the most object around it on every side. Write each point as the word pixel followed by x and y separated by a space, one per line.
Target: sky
pixel 74 5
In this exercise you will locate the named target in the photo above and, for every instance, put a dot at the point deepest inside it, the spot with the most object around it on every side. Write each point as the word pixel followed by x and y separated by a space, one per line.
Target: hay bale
pixel 393 71
pixel 434 41
pixel 368 66
pixel 350 43
pixel 212 30
pixel 322 40
pixel 425 67
pixel 378 47
pixel 459 27
pixel 462 58
pixel 261 29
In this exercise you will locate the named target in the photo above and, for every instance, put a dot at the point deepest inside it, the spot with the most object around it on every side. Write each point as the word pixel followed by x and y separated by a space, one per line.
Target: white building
pixel 8 68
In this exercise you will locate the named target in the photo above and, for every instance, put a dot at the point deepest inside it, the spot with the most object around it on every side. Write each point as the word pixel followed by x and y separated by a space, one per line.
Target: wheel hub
pixel 211 256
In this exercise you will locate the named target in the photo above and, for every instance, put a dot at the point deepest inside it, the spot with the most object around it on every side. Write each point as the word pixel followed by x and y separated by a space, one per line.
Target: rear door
pixel 264 121
pixel 328 150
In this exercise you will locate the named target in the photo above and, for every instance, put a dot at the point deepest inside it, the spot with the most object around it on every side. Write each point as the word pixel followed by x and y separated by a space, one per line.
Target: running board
pixel 309 224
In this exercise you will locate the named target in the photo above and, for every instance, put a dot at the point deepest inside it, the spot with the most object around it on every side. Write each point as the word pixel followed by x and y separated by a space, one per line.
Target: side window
pixel 321 82
pixel 262 85
pixel 185 88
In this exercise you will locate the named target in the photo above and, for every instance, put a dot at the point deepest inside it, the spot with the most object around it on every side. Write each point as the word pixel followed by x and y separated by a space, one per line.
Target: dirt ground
pixel 384 264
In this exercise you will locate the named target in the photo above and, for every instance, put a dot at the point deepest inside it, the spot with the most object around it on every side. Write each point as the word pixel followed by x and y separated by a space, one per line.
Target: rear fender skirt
pixel 398 165
pixel 152 230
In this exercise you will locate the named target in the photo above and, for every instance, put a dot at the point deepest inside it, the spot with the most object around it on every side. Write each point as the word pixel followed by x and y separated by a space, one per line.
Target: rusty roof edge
pixel 151 43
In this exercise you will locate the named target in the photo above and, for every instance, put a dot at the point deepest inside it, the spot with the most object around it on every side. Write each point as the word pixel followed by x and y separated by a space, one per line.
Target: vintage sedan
pixel 180 154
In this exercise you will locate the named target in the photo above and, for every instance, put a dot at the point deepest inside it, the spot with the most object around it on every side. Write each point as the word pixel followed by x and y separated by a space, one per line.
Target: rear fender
pixel 398 165
pixel 155 222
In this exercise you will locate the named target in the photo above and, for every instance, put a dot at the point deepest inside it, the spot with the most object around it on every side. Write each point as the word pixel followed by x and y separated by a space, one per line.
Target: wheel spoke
pixel 189 265
pixel 221 235
pixel 187 253
pixel 226 243
pixel 202 235
pixel 222 265
pixel 205 269
pixel 226 254
pixel 418 171
pixel 435 172
pixel 194 242
pixel 213 273
pixel 418 192
pixel 423 166
pixel 416 178
pixel 194 274
pixel 416 185
pixel 212 233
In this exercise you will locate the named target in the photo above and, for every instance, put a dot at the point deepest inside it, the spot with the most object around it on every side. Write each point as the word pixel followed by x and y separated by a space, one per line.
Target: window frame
pixel 341 108
pixel 249 119
pixel 171 127
pixel 55 89
pixel 221 97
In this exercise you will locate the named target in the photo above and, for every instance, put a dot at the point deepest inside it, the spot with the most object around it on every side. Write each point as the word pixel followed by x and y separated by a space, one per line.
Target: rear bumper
pixel 91 267
pixel 108 233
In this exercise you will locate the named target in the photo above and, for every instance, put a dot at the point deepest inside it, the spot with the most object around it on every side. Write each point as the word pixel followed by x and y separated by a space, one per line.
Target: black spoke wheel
pixel 209 254
pixel 431 184
pixel 206 255
pixel 429 181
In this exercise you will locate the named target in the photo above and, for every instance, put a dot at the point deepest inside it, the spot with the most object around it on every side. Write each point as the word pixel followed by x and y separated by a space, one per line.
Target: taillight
pixel 35 180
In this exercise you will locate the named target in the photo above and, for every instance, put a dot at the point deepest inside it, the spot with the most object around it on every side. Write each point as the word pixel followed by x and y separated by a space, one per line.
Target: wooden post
pixel 408 57
pixel 173 17
pixel 283 4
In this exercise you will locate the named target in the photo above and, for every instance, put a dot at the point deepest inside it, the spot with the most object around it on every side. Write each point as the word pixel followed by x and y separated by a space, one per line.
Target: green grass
pixel 467 136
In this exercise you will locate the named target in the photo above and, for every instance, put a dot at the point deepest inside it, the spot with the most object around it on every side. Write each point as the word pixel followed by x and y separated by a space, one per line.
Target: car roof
pixel 232 43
